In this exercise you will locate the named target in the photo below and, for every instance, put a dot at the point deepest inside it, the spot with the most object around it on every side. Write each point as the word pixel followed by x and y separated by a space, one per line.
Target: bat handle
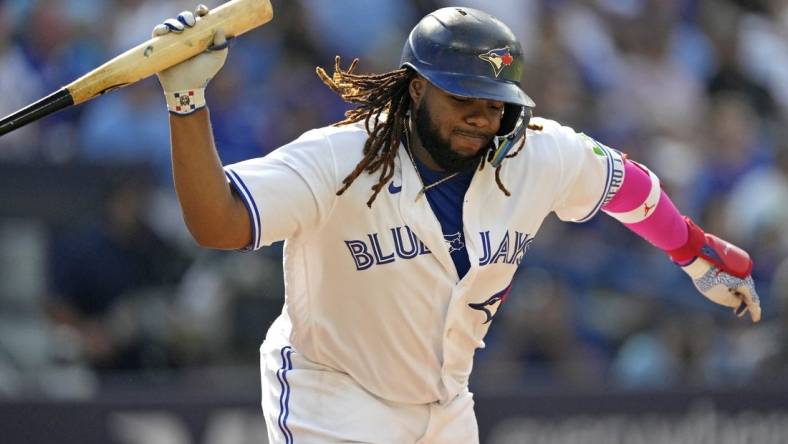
pixel 54 102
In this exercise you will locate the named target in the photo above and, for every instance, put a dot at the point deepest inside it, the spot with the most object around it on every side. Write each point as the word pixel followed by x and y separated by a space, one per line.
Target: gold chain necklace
pixel 424 187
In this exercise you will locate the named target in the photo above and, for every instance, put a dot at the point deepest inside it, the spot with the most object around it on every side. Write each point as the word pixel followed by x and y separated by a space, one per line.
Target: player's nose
pixel 485 114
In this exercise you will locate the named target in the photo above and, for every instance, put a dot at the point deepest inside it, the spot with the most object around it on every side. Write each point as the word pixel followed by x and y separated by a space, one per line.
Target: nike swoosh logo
pixel 393 189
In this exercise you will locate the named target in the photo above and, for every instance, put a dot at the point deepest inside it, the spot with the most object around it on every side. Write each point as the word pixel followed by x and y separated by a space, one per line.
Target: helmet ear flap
pixel 511 114
pixel 505 141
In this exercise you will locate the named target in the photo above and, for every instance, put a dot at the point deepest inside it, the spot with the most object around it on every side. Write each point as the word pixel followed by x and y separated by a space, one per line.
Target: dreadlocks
pixel 376 94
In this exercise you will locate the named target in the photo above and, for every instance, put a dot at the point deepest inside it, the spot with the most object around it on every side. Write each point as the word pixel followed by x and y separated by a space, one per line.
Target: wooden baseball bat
pixel 234 17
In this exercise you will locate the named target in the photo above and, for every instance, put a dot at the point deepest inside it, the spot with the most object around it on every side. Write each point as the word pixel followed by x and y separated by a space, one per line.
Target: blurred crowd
pixel 695 89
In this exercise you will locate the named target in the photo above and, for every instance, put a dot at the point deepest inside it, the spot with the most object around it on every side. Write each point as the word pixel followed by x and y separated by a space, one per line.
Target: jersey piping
pixel 251 207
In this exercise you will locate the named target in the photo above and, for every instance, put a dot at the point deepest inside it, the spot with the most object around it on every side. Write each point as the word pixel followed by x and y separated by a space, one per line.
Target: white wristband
pixel 647 208
pixel 185 102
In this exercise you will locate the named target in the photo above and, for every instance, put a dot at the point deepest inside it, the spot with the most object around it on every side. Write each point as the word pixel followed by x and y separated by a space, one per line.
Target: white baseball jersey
pixel 373 292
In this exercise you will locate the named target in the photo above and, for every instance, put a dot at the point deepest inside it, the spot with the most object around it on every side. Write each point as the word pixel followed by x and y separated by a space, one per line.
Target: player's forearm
pixel 643 207
pixel 215 217
pixel 719 270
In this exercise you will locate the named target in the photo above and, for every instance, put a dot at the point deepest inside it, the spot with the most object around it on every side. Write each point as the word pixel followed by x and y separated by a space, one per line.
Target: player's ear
pixel 416 88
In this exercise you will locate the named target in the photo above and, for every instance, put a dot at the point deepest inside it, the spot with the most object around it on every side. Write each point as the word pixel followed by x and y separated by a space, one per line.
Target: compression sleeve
pixel 643 207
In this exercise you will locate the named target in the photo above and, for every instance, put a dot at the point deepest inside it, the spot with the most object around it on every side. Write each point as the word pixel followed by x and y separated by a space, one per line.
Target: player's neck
pixel 418 150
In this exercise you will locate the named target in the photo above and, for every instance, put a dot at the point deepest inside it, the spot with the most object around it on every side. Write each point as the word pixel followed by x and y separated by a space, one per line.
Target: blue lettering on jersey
pixel 505 253
pixel 503 250
pixel 370 252
pixel 366 254
pixel 412 249
pixel 380 258
pixel 360 254
pixel 521 244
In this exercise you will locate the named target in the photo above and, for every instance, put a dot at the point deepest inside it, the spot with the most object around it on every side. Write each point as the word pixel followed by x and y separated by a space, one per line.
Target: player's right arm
pixel 214 214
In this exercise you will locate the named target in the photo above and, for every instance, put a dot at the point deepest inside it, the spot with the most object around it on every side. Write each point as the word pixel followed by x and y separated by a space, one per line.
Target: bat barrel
pixel 44 107
pixel 157 54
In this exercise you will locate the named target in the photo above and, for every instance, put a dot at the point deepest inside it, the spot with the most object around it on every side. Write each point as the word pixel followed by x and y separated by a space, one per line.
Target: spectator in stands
pixel 97 271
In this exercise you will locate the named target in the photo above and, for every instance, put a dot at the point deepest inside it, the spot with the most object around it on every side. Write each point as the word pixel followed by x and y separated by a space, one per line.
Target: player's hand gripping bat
pixel 234 17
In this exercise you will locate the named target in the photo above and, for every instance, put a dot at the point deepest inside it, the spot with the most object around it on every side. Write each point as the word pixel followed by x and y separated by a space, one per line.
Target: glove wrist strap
pixel 717 252
pixel 186 101
pixel 696 239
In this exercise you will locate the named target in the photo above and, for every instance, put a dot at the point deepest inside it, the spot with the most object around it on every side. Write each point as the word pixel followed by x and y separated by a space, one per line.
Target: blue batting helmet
pixel 469 53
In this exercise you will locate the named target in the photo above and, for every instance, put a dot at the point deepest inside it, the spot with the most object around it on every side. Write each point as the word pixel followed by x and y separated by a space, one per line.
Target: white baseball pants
pixel 305 403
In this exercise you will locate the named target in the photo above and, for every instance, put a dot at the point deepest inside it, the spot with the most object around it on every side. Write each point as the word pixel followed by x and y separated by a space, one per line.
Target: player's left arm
pixel 592 177
pixel 720 270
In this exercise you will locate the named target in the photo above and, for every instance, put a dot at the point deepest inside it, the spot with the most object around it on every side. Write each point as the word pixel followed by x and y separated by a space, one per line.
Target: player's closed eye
pixel 493 105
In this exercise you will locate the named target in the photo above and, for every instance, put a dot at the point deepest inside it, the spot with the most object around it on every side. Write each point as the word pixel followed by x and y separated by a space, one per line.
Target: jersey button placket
pixel 453 315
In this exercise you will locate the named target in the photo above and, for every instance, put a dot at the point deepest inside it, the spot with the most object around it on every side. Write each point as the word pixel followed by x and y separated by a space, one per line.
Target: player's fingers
pixel 201 10
pixel 748 301
pixel 750 298
pixel 182 21
pixel 160 30
pixel 174 25
pixel 187 18
pixel 219 41
pixel 741 310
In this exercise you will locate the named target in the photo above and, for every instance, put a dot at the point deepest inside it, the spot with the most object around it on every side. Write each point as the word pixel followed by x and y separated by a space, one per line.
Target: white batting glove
pixel 184 84
pixel 720 271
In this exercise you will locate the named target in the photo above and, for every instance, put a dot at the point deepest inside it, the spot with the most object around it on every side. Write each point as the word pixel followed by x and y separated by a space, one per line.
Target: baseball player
pixel 405 223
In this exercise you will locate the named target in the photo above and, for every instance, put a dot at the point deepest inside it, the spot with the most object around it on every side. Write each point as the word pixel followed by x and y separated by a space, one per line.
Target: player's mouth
pixel 469 142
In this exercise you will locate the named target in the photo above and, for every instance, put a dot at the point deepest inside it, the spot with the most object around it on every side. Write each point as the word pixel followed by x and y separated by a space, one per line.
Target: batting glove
pixel 720 271
pixel 184 84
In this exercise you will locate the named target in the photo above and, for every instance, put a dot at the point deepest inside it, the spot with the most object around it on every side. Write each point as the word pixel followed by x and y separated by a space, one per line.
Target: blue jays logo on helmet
pixel 498 58
pixel 447 47
pixel 490 306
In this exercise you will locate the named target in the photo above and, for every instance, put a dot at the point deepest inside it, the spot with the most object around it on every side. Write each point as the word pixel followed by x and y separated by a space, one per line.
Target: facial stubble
pixel 440 149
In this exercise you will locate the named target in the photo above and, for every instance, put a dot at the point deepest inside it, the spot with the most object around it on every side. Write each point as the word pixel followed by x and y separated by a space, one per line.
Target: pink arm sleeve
pixel 665 228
